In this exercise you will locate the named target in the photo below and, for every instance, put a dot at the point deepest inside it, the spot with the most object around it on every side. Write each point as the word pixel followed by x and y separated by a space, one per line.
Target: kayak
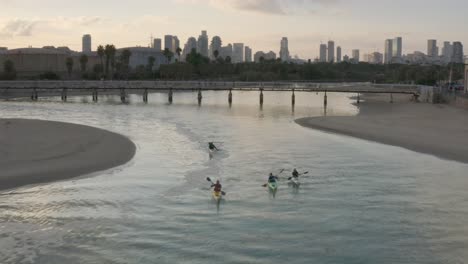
pixel 273 185
pixel 217 196
pixel 295 182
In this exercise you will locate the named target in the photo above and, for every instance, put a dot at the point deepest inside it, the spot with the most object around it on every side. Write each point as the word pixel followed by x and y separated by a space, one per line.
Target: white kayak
pixel 295 182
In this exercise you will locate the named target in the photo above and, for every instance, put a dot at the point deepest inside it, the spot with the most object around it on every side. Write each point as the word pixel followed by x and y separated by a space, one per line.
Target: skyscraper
pixel 86 45
pixel 237 52
pixel 323 53
pixel 216 45
pixel 284 50
pixel 188 47
pixel 331 51
pixel 432 49
pixel 157 44
pixel 355 55
pixel 248 54
pixel 169 43
pixel 176 42
pixel 203 43
pixel 338 54
pixel 388 51
pixel 397 47
pixel 447 52
pixel 458 56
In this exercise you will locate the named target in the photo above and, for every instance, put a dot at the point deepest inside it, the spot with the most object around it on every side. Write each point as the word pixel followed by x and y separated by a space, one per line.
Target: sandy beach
pixel 34 151
pixel 435 129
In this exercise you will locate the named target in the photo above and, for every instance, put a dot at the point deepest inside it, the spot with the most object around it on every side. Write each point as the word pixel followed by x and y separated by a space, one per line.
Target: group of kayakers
pixel 271 178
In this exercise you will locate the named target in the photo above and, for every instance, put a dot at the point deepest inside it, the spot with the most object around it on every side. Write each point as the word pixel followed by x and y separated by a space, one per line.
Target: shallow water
pixel 362 202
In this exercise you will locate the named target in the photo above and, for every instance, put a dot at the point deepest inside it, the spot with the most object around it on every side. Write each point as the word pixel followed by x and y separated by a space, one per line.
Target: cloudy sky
pixel 352 24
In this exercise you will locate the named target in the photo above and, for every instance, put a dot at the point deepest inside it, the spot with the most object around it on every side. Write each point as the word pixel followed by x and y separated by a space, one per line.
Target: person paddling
pixel 295 174
pixel 217 186
pixel 212 146
pixel 272 178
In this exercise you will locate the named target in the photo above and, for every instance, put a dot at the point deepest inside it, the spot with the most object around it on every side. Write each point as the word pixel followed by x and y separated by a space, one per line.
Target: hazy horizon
pixel 260 24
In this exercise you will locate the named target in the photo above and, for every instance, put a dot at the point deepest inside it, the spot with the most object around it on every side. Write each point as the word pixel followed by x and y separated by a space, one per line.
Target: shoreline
pixel 37 151
pixel 438 130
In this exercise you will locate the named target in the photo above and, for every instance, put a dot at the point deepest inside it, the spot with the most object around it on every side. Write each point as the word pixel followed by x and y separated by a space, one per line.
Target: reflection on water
pixel 361 202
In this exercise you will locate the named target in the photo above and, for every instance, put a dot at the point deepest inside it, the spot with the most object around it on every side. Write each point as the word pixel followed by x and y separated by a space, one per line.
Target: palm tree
pixel 168 54
pixel 125 59
pixel 228 59
pixel 178 51
pixel 150 65
pixel 69 63
pixel 109 51
pixel 83 62
pixel 216 54
pixel 100 52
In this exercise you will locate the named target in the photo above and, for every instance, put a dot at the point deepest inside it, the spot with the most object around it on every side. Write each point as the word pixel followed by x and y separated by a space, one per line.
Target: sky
pixel 260 24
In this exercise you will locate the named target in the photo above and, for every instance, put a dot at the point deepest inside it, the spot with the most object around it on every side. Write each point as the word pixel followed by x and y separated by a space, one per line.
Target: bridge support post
pixel 169 96
pixel 358 98
pixel 95 95
pixel 261 96
pixel 122 95
pixel 64 94
pixel 200 96
pixel 34 95
pixel 391 98
pixel 325 99
pixel 145 96
pixel 293 98
pixel 230 97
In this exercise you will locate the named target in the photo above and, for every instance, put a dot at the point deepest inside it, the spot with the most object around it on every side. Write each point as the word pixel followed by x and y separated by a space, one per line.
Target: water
pixel 362 202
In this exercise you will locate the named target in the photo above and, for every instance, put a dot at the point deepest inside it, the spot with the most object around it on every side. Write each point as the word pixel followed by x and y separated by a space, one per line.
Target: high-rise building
pixel 248 54
pixel 338 54
pixel 203 43
pixel 346 58
pixel 432 49
pixel 323 53
pixel 188 47
pixel 157 44
pixel 226 51
pixel 169 43
pixel 86 45
pixel 237 52
pixel 284 50
pixel 447 52
pixel 215 45
pixel 176 43
pixel 388 51
pixel 355 54
pixel 458 56
pixel 331 51
pixel 397 47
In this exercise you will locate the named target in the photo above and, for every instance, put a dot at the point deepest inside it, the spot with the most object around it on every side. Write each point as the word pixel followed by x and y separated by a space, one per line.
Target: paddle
pixel 208 179
pixel 277 178
pixel 299 174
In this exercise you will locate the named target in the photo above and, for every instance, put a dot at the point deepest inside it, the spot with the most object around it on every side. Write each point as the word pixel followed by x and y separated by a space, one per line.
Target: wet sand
pixel 439 130
pixel 34 151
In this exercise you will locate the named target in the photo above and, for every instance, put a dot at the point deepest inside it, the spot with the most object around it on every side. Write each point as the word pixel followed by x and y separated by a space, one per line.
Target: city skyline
pixel 133 25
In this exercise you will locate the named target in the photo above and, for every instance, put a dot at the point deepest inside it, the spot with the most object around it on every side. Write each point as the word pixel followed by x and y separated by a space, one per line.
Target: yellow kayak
pixel 217 196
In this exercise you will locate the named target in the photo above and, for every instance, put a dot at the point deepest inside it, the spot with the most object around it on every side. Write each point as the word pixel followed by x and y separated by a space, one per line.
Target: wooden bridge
pixel 34 89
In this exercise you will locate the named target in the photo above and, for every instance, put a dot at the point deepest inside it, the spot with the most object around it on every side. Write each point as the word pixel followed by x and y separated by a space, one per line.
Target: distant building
pixel 215 45
pixel 140 56
pixel 238 53
pixel 338 54
pixel 432 49
pixel 188 47
pixel 176 43
pixel 248 54
pixel 226 51
pixel 331 51
pixel 284 50
pixel 466 75
pixel 169 43
pixel 203 44
pixel 266 56
pixel 346 58
pixel 375 58
pixel 157 44
pixel 356 57
pixel 397 46
pixel 458 56
pixel 447 52
pixel 86 44
pixel 388 51
pixel 323 53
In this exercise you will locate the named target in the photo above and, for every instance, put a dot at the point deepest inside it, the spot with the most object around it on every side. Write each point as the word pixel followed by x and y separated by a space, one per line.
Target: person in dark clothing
pixel 295 174
pixel 212 146
pixel 217 186
pixel 272 178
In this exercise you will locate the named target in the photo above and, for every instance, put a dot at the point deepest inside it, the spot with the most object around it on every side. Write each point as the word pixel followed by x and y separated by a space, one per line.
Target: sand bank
pixel 33 151
pixel 439 130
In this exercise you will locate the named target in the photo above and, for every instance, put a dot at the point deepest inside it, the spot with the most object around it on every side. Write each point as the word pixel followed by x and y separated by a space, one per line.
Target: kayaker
pixel 272 178
pixel 212 146
pixel 295 174
pixel 217 186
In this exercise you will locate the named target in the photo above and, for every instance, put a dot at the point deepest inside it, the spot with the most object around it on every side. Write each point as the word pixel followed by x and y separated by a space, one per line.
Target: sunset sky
pixel 352 24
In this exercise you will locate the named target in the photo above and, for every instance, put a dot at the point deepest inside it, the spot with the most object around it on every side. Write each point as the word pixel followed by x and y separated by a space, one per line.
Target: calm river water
pixel 362 202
